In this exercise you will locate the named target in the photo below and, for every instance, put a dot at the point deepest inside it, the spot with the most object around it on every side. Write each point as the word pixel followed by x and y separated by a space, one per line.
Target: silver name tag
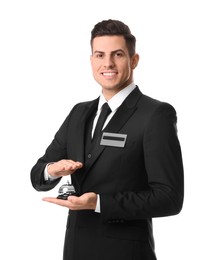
pixel 113 139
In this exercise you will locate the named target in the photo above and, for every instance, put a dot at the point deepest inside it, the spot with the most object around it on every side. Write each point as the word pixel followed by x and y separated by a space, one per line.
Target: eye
pixel 99 55
pixel 119 54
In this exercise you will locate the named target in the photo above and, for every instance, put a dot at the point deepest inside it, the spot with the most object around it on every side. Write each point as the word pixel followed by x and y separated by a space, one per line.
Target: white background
pixel 45 70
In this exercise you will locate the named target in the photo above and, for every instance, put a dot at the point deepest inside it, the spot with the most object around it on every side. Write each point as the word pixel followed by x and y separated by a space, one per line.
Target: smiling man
pixel 112 64
pixel 123 155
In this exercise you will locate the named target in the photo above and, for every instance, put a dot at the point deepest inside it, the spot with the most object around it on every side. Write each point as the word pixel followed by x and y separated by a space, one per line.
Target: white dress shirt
pixel 114 104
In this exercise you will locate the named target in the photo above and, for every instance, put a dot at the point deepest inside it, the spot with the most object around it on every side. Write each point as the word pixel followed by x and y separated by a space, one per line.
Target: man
pixel 125 175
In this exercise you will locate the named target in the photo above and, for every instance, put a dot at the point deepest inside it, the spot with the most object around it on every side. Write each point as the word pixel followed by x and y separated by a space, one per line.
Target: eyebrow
pixel 111 52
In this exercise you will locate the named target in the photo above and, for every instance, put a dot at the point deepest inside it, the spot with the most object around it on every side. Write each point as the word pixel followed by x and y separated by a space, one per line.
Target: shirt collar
pixel 118 98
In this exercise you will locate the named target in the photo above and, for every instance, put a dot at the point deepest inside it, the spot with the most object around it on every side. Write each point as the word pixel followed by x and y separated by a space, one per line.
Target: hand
pixel 63 168
pixel 86 201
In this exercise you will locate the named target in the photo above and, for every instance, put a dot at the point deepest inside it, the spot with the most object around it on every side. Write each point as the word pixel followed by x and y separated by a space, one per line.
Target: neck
pixel 109 93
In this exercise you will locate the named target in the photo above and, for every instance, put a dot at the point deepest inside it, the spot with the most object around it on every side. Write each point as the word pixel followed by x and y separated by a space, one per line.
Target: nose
pixel 108 62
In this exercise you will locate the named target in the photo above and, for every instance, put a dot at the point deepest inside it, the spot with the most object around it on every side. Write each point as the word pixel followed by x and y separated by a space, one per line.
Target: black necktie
pixel 101 120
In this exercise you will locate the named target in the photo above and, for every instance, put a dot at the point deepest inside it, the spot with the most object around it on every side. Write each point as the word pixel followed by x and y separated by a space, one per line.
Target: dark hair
pixel 115 27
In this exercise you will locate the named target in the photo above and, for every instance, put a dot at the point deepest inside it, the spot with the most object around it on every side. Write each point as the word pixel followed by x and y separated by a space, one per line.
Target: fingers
pixel 86 201
pixel 74 203
pixel 67 165
pixel 63 167
pixel 63 203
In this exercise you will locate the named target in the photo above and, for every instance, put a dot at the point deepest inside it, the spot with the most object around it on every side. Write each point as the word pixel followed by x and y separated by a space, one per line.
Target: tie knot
pixel 105 107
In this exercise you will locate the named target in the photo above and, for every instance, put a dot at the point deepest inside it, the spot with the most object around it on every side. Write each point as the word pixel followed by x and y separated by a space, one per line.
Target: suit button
pixel 89 156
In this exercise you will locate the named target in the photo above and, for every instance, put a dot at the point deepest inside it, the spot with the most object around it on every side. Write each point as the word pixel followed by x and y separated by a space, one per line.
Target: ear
pixel 134 61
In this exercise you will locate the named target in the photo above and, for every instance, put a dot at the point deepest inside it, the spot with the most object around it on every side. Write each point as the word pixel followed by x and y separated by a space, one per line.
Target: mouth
pixel 109 74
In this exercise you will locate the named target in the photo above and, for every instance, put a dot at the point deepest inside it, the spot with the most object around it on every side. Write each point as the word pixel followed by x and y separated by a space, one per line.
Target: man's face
pixel 111 64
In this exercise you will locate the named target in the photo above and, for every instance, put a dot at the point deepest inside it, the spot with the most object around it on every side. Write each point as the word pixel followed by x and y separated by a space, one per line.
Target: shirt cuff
pixel 97 209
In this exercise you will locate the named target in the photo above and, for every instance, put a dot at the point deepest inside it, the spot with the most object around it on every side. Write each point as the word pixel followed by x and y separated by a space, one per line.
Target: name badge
pixel 113 139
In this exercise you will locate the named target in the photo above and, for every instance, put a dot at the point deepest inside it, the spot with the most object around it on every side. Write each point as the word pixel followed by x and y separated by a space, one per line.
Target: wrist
pixel 50 171
pixel 47 175
pixel 93 200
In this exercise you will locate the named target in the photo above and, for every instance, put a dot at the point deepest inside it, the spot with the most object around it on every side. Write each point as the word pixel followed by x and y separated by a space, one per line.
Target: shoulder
pixel 154 106
pixel 81 106
pixel 159 116
pixel 85 104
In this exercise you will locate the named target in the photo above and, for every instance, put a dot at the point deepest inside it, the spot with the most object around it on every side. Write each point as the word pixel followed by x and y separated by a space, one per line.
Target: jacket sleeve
pixel 55 152
pixel 164 169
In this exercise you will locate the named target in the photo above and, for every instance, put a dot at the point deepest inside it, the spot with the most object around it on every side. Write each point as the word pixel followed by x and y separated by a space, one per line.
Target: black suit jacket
pixel 142 180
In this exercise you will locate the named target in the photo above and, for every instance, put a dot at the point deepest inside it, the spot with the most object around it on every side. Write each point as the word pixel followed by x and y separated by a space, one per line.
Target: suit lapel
pixel 123 114
pixel 120 118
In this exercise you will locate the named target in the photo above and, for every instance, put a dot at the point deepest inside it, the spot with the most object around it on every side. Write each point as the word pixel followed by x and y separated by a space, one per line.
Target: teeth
pixel 108 73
